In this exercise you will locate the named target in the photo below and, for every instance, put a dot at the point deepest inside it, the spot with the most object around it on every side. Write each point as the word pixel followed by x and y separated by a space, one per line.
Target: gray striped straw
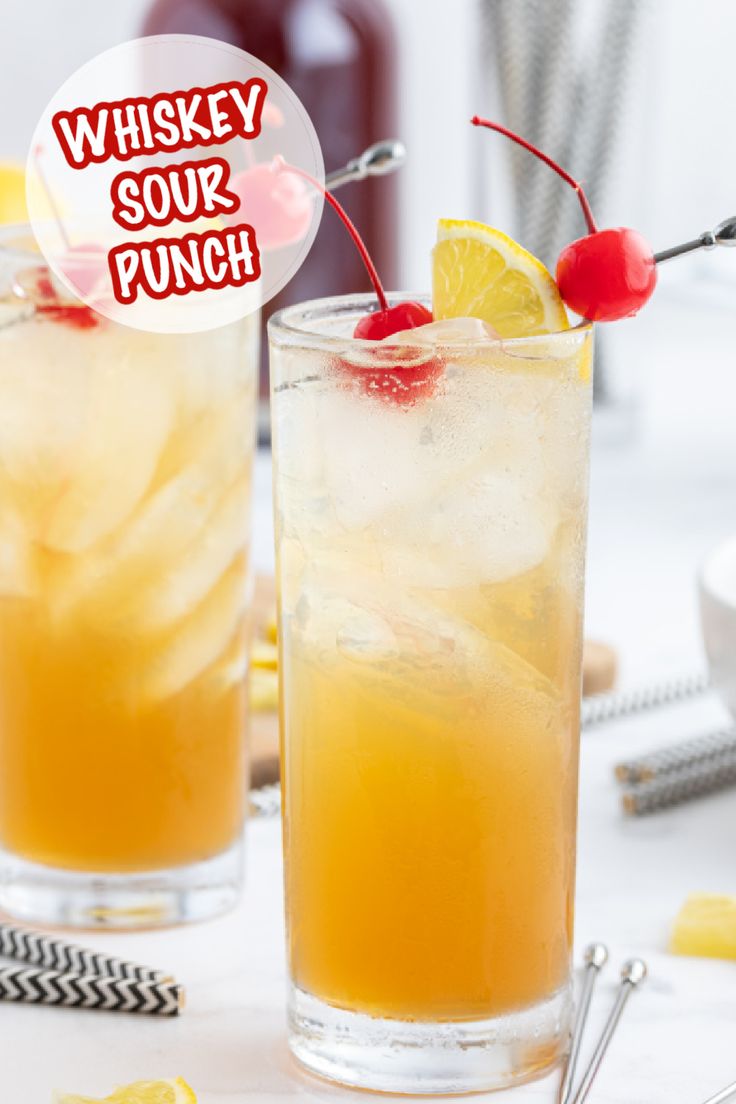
pixel 609 707
pixel 710 748
pixel 683 785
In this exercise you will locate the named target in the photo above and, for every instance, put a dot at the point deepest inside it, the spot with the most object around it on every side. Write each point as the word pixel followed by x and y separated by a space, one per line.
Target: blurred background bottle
pixel 339 57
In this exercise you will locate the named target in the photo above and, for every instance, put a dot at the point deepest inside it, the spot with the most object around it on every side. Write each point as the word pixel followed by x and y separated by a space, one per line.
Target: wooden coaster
pixel 599 667
pixel 599 675
pixel 264 749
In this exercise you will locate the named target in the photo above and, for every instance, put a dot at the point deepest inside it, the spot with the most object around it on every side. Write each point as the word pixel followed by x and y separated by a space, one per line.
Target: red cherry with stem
pixel 401 383
pixel 608 274
pixel 392 320
pixel 277 205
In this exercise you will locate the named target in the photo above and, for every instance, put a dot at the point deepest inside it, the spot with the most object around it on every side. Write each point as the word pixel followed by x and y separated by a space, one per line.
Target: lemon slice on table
pixel 706 926
pixel 174 1091
pixel 479 272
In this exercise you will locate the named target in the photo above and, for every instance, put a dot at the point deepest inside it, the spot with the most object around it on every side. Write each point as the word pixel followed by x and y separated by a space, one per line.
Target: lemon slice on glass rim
pixel 480 272
pixel 172 1091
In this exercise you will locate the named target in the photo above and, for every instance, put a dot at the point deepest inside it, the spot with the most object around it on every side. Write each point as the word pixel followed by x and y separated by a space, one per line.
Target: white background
pixel 678 167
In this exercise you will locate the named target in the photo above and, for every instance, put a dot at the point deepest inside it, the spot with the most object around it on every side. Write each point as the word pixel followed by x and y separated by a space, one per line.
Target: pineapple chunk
pixel 706 926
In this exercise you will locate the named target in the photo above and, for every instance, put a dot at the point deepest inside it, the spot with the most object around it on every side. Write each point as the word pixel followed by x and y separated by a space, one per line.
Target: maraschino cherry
pixel 608 274
pixel 279 206
pixel 400 383
pixel 280 212
pixel 36 286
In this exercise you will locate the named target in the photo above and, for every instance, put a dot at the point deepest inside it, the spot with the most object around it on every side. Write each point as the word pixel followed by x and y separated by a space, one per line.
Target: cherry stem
pixel 590 221
pixel 279 165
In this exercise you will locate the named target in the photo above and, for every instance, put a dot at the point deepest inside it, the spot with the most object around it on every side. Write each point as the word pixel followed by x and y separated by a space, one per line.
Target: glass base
pixel 76 899
pixel 425 1058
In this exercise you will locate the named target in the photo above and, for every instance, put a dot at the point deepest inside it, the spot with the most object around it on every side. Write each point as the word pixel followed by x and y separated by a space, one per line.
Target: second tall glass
pixel 430 555
pixel 125 485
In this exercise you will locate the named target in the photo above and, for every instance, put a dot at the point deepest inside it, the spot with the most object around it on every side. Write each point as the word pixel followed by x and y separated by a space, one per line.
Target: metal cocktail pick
pixel 596 956
pixel 722 1096
pixel 383 157
pixel 633 973
pixel 724 234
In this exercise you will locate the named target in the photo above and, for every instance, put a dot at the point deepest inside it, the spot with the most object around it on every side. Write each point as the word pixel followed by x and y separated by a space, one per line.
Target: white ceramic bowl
pixel 718 617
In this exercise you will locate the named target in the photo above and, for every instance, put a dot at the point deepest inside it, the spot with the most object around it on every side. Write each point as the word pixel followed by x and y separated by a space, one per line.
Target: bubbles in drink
pixel 466 487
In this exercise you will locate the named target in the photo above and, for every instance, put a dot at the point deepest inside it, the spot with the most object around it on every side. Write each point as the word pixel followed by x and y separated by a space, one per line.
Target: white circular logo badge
pixel 173 184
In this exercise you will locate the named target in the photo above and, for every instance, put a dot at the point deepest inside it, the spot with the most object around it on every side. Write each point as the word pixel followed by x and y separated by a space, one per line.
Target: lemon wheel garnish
pixel 479 272
pixel 173 1091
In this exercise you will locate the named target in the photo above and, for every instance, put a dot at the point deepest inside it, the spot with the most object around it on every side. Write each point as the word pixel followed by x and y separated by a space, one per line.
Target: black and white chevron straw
pixel 54 954
pixel 29 985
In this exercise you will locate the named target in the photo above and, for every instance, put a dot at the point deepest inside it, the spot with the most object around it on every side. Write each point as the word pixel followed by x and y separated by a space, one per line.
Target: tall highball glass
pixel 125 485
pixel 430 561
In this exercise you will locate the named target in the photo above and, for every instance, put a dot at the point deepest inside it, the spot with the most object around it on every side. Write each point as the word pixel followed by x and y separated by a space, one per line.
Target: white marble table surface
pixel 656 506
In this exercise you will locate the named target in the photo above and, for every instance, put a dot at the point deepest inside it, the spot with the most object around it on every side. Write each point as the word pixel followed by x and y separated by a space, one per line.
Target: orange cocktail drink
pixel 125 469
pixel 430 568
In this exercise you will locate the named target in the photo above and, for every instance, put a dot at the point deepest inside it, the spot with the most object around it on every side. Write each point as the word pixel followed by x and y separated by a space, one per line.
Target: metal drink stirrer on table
pixel 596 956
pixel 725 1094
pixel 633 973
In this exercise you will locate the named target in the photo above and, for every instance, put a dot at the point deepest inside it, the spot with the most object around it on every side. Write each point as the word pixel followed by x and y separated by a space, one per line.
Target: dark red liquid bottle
pixel 339 57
